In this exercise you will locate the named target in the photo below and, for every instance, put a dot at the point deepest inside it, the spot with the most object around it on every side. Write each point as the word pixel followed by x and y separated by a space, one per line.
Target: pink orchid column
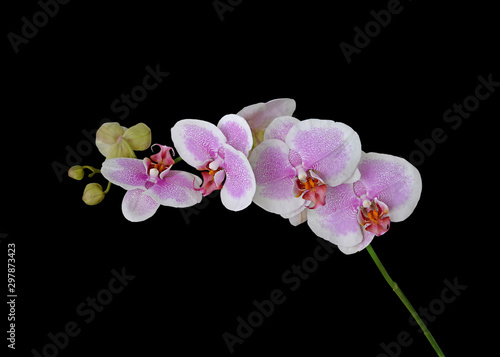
pixel 298 160
pixel 221 153
pixel 388 190
pixel 151 183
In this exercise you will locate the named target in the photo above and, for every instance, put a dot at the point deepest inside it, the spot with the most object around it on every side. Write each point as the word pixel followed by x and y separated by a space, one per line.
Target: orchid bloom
pixel 221 153
pixel 260 115
pixel 388 190
pixel 150 183
pixel 298 160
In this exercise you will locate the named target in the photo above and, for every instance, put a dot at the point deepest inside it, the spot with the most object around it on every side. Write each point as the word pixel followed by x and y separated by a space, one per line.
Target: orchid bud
pixel 138 137
pixel 76 172
pixel 109 139
pixel 109 133
pixel 114 141
pixel 93 194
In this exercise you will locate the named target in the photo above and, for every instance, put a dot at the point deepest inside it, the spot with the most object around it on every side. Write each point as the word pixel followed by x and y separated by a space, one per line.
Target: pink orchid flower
pixel 388 190
pixel 298 159
pixel 260 115
pixel 221 152
pixel 150 183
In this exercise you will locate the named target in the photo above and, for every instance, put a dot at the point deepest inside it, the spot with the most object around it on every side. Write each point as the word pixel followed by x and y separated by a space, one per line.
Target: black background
pixel 195 277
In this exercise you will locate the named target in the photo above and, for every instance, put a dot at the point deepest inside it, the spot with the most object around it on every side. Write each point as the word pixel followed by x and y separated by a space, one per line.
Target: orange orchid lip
pixel 374 216
pixel 311 189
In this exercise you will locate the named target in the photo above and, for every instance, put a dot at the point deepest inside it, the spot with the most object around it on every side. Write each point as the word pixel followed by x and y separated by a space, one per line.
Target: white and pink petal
pixel 275 178
pixel 177 189
pixel 392 180
pixel 330 148
pixel 137 206
pixel 299 218
pixel 127 173
pixel 280 127
pixel 239 186
pixel 261 114
pixel 237 132
pixel 367 239
pixel 336 221
pixel 197 141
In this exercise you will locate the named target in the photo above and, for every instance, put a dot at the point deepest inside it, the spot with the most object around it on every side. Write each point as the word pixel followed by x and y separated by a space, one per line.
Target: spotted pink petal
pixel 177 189
pixel 137 206
pixel 275 178
pixel 332 149
pixel 237 132
pixel 392 180
pixel 337 221
pixel 197 141
pixel 279 128
pixel 125 172
pixel 239 186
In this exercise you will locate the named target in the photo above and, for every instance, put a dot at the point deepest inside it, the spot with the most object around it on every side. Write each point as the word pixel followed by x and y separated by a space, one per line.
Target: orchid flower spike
pixel 260 115
pixel 151 183
pixel 388 190
pixel 221 153
pixel 298 160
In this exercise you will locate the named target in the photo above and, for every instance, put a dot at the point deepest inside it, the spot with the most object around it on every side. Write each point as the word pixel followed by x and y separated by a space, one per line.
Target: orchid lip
pixel 310 188
pixel 159 164
pixel 213 177
pixel 373 215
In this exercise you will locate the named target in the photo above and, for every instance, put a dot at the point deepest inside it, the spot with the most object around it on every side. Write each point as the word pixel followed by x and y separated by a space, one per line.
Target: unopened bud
pixel 93 194
pixel 76 172
pixel 138 137
pixel 108 135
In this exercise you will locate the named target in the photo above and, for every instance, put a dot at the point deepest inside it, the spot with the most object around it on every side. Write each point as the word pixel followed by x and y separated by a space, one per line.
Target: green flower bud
pixel 93 194
pixel 114 140
pixel 138 137
pixel 109 141
pixel 76 172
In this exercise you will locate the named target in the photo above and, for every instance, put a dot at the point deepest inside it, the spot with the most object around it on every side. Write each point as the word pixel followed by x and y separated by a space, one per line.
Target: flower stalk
pixel 405 301
pixel 93 169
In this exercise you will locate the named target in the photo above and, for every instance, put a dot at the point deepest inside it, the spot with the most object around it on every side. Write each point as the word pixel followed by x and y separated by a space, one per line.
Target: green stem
pixel 93 169
pixel 107 188
pixel 405 301
pixel 177 160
